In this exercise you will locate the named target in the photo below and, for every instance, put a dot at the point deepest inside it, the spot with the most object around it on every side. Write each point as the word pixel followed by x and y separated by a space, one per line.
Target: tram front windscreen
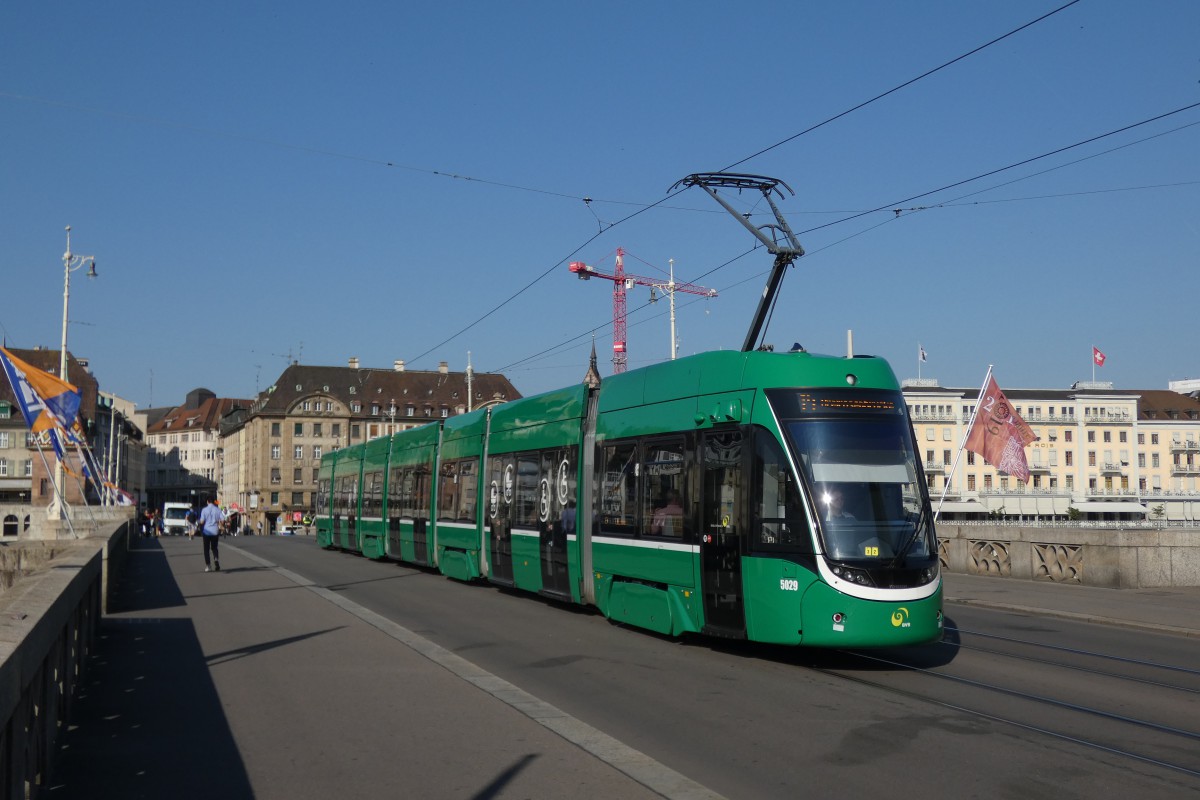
pixel 855 449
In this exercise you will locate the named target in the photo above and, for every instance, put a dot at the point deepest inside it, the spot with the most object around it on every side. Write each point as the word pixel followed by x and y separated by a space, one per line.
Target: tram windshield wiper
pixel 913 537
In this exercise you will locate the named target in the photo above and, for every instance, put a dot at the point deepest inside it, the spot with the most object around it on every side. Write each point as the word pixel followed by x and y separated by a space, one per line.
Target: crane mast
pixel 623 281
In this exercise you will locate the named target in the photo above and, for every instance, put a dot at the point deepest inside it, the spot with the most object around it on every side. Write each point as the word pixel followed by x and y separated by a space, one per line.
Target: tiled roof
pixel 382 387
pixel 205 417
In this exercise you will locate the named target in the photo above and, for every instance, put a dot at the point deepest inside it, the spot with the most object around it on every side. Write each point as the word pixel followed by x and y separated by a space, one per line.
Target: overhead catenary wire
pixel 672 194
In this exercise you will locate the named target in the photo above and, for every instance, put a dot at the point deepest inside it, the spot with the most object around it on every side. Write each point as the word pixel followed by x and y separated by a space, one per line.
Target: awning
pixel 1112 508
pixel 964 507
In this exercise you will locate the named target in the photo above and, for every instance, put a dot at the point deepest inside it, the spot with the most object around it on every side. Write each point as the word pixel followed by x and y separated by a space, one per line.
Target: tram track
pixel 1123 660
pixel 1145 721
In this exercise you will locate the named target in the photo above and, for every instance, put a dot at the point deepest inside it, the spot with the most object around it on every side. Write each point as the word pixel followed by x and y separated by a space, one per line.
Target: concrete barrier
pixel 52 594
pixel 1136 558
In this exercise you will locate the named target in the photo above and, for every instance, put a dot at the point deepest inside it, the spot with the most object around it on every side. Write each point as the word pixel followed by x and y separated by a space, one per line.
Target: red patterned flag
pixel 1098 357
pixel 999 434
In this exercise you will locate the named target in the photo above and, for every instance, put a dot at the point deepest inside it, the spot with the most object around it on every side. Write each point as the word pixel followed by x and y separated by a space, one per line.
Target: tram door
pixel 721 528
pixel 556 514
pixel 500 498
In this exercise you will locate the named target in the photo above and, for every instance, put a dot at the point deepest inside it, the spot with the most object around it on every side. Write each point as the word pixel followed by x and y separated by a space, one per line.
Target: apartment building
pixel 183 460
pixel 271 451
pixel 1102 454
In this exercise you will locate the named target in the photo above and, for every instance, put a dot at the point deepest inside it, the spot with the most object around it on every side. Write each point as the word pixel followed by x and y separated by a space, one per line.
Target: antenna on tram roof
pixel 785 253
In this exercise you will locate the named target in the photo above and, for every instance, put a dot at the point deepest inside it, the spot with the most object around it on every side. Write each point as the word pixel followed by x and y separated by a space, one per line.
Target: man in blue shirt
pixel 211 520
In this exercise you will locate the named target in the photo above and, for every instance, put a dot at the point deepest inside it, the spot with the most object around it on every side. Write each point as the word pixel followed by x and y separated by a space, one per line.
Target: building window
pixel 3 438
pixel 970 458
pixel 298 475
pixel 412 410
pixel 445 413
pixel 298 429
pixel 1123 436
pixel 971 482
pixel 307 405
pixel 336 430
pixel 274 498
pixel 316 474
pixel 1108 437
pixel 1068 436
pixel 1154 438
pixel 3 467
pixel 375 409
pixel 274 428
pixel 317 428
pixel 946 457
pixel 1070 457
pixel 275 477
pixel 297 499
pixel 28 468
pixel 1091 458
pixel 355 431
pixel 1154 460
pixel 298 451
pixel 275 452
pixel 317 452
pixel 356 407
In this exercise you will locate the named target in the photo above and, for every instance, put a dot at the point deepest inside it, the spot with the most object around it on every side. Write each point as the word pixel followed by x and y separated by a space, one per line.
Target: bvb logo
pixel 900 618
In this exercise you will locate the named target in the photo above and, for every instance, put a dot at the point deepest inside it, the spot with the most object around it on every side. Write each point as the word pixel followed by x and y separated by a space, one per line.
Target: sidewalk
pixel 252 683
pixel 245 683
pixel 1168 610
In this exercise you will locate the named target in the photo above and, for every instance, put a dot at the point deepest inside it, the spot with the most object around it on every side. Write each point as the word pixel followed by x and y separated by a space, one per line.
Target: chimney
pixel 353 362
pixel 444 367
pixel 398 365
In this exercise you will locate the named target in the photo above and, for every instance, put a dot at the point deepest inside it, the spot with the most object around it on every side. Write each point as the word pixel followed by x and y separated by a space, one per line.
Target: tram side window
pixel 526 500
pixel 664 470
pixel 373 494
pixel 409 502
pixel 468 489
pixel 500 489
pixel 448 490
pixel 322 501
pixel 619 468
pixel 778 508
pixel 457 490
pixel 422 479
pixel 395 492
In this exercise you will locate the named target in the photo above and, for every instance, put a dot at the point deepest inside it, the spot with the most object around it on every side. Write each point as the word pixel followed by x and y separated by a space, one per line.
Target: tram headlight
pixel 851 575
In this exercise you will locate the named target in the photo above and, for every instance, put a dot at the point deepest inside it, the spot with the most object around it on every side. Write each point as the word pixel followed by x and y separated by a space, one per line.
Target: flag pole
pixel 58 493
pixel 963 443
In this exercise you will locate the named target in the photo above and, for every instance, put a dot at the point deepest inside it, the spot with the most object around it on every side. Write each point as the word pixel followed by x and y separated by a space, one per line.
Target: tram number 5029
pixel 789 585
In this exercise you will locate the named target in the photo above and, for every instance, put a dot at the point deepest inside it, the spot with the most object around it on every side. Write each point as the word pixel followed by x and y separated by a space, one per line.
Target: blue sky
pixel 318 181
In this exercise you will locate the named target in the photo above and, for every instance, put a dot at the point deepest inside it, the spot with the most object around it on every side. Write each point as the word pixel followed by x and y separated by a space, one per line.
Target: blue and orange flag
pixel 46 401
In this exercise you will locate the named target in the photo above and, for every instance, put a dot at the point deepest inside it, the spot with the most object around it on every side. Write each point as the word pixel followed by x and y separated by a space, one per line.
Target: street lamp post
pixel 71 263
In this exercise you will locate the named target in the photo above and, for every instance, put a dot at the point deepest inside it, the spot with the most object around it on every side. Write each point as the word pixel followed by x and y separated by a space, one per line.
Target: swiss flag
pixel 1098 357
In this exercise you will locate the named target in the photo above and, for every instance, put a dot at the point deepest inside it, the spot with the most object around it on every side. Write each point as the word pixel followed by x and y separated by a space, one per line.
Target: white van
pixel 175 518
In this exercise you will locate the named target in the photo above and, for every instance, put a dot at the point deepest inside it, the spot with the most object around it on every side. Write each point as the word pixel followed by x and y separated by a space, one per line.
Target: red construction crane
pixel 622 281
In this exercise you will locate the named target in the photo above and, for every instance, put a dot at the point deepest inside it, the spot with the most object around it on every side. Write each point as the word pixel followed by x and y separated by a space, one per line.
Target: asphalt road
pixel 1003 708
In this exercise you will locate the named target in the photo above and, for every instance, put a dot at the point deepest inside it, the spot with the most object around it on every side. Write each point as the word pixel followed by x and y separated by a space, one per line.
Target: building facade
pixel 1102 454
pixel 183 461
pixel 271 451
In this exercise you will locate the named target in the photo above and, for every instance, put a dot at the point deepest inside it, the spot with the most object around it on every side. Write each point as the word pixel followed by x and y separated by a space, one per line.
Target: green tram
pixel 776 497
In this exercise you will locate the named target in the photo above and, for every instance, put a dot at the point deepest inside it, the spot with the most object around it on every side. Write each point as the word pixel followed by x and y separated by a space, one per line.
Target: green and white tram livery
pixel 770 496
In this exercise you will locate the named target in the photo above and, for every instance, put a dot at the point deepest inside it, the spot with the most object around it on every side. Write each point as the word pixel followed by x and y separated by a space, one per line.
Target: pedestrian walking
pixel 212 519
